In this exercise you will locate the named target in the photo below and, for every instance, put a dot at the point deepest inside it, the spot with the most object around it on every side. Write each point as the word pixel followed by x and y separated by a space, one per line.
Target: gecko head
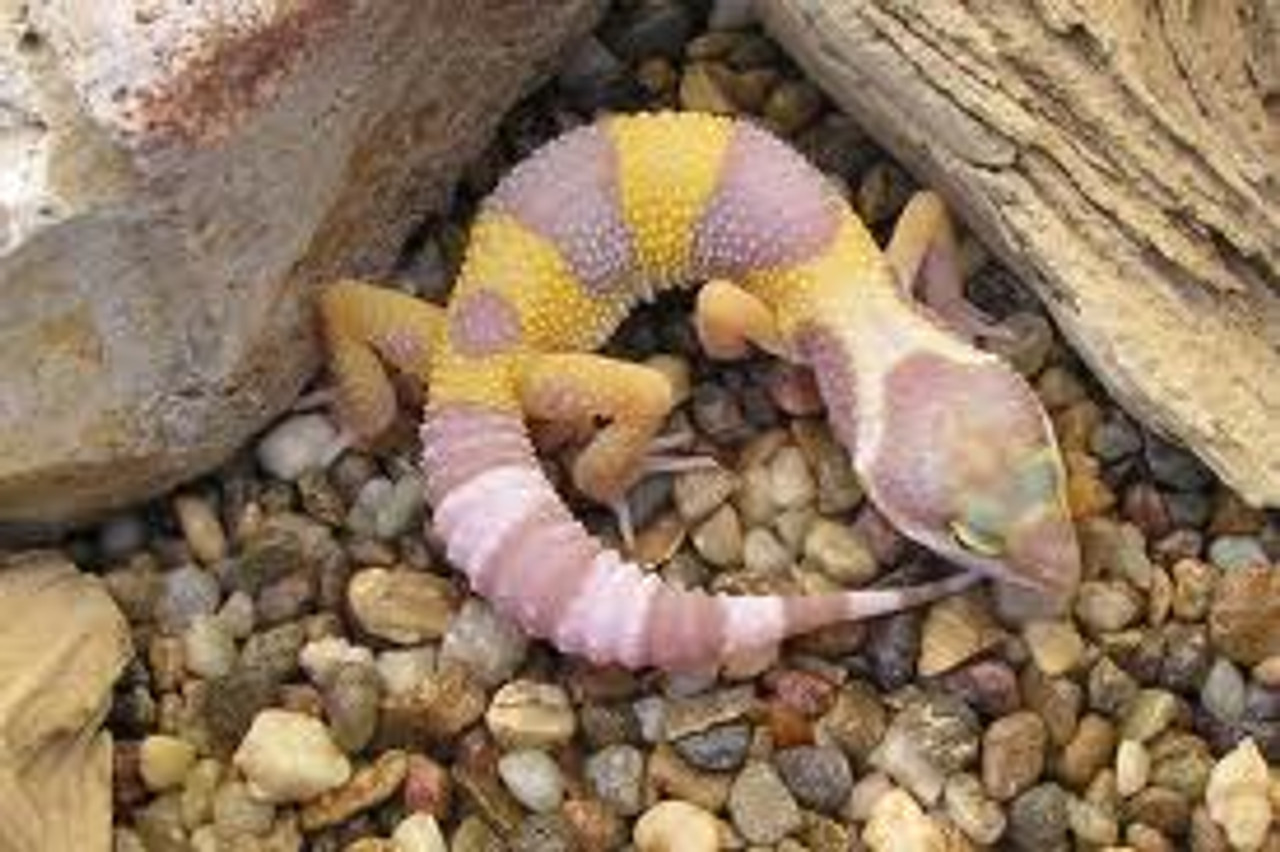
pixel 965 462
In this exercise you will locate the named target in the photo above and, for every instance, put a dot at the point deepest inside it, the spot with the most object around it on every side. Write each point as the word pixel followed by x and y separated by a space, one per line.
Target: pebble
pixel 718 413
pixel 367 788
pixel 164 761
pixel 525 714
pixel 731 14
pixel 818 776
pixel 892 647
pixel 238 615
pixel 406 607
pixel 698 493
pixel 533 778
pixel 897 824
pixel 704 87
pixel 351 697
pixel 1056 646
pixel 185 593
pixel 616 776
pixel 209 649
pixel 652 28
pixel 761 806
pixel 790 481
pixel 718 539
pixel 1175 467
pixel 201 528
pixel 929 740
pixel 763 553
pixel 198 790
pixel 1038 818
pixel 122 535
pixel 289 757
pixel 722 748
pixel 675 826
pixel 1115 551
pixel 1193 586
pixel 839 552
pixel 1092 823
pixel 401 509
pixel 1111 688
pixel 544 833
pixel 402 669
pixel 1234 552
pixel 1088 752
pixel 296 445
pixel 428 788
pixel 1133 767
pixel 276 650
pixel 1013 754
pixel 1149 714
pixel 1223 692
pixel 1107 607
pixel 972 810
pixel 955 630
pixel 322 658
pixel 419 833
pixel 1238 796
pixel 1115 438
pixel 237 813
pixel 488 644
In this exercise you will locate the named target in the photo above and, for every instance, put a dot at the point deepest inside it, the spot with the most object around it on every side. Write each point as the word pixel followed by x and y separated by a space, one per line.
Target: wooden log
pixel 1122 157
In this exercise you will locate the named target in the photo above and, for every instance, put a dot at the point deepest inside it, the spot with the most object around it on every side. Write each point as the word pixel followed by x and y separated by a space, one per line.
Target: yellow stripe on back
pixel 668 167
pixel 526 269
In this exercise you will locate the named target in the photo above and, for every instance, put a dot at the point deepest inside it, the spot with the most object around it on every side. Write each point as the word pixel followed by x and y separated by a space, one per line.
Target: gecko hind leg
pixel 633 400
pixel 924 256
pixel 366 327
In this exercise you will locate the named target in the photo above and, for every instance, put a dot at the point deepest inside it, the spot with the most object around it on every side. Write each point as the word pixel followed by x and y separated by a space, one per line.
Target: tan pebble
pixel 790 479
pixel 792 106
pixel 866 794
pixel 763 552
pixel 201 528
pixel 956 630
pixel 838 551
pixel 406 607
pixel 164 761
pixel 754 499
pixel 660 539
pixel 1267 672
pixel 897 824
pixel 1056 646
pixel 1092 823
pixel 419 833
pixel 367 788
pixel 525 714
pixel 703 88
pixel 673 826
pixel 698 493
pixel 719 538
pixel 1133 767
pixel 1238 796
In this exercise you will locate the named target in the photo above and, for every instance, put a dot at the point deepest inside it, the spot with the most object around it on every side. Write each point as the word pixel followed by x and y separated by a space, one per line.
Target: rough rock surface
pixel 62 644
pixel 1121 159
pixel 174 175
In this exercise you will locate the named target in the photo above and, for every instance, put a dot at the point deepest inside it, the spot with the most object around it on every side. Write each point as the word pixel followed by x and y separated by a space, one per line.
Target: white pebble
pixel 209 649
pixel 402 669
pixel 320 658
pixel 533 778
pixel 1237 796
pixel 419 833
pixel 675 826
pixel 298 444
pixel 290 757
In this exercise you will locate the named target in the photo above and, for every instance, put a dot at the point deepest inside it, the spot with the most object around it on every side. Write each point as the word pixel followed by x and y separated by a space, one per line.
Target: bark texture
pixel 1123 157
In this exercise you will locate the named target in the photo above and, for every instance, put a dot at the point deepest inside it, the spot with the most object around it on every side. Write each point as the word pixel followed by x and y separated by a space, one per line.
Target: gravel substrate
pixel 312 675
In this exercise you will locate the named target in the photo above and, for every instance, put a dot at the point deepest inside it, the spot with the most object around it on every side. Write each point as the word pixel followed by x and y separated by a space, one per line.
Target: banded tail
pixel 505 526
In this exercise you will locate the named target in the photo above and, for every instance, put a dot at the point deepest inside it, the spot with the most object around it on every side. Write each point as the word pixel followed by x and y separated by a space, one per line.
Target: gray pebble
pixel 1114 439
pixel 121 536
pixel 491 646
pixel 652 28
pixel 533 778
pixel 297 444
pixel 402 508
pixel 187 592
pixel 818 776
pixel 1230 552
pixel 1038 819
pixel 719 749
pixel 616 775
pixel 761 806
pixel 351 699
pixel 1223 692
pixel 1175 467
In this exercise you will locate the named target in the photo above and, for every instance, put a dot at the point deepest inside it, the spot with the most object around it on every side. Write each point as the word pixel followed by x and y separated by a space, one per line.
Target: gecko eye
pixel 976 541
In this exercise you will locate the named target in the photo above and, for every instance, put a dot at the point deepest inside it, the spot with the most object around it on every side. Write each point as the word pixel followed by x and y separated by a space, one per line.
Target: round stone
pixel 533 778
pixel 164 761
pixel 290 757
pixel 761 806
pixel 675 826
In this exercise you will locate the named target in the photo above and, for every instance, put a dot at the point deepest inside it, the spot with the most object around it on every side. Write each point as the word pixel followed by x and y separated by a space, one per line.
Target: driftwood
pixel 1123 157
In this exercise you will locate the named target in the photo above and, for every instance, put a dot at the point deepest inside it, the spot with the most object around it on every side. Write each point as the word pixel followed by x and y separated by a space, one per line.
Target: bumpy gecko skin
pixel 950 443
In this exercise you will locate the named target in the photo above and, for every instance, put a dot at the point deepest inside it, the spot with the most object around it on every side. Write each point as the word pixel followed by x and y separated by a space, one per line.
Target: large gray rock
pixel 174 176
pixel 62 645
